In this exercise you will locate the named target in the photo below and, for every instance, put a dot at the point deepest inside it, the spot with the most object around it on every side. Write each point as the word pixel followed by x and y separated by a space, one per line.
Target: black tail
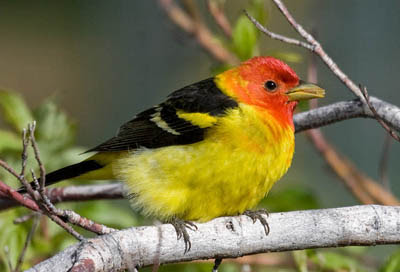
pixel 68 172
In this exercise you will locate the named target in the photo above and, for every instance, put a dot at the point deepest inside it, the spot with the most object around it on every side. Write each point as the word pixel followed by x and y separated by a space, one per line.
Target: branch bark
pixel 340 111
pixel 196 27
pixel 71 193
pixel 231 237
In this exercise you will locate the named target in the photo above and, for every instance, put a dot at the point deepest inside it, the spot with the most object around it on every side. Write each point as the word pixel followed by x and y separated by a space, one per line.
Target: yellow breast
pixel 230 171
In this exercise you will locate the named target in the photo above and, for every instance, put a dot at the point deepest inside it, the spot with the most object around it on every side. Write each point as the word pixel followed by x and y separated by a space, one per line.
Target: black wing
pixel 160 126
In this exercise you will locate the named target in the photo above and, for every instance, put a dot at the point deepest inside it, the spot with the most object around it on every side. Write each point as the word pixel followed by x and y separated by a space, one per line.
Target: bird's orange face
pixel 269 84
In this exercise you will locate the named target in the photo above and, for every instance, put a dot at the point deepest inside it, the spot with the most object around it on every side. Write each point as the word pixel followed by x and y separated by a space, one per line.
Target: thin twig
pixel 358 183
pixel 202 34
pixel 279 37
pixel 24 156
pixel 377 117
pixel 27 241
pixel 38 200
pixel 365 189
pixel 218 14
pixel 9 169
pixel 73 193
pixel 24 218
pixel 72 217
pixel 312 45
pixel 339 165
pixel 65 226
pixel 14 195
pixel 8 258
pixel 68 215
pixel 85 223
pixel 319 50
pixel 35 148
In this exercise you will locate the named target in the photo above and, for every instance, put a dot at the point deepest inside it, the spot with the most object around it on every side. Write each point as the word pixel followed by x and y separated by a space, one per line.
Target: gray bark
pixel 231 237
pixel 344 110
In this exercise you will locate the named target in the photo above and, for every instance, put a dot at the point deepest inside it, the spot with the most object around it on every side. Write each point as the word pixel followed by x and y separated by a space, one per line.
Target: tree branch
pixel 347 110
pixel 68 193
pixel 230 237
pixel 196 27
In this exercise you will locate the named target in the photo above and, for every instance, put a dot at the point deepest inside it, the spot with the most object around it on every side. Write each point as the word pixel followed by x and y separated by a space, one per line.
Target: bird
pixel 213 148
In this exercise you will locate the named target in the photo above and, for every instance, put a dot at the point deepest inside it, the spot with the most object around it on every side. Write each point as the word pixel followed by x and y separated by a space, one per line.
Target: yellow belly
pixel 226 174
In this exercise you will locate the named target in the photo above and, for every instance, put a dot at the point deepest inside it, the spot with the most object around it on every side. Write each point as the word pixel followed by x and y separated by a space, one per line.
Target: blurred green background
pixel 102 62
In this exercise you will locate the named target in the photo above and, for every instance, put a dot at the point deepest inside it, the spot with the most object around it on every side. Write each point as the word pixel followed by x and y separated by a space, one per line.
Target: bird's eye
pixel 270 85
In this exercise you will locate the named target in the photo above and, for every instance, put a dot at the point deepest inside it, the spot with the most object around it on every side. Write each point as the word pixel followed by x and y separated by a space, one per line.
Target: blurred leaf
pixel 334 261
pixel 16 112
pixel 289 199
pixel 245 34
pixel 392 264
pixel 12 236
pixel 287 56
pixel 258 10
pixel 303 105
pixel 300 258
pixel 244 38
pixel 96 211
pixel 9 141
pixel 220 68
pixel 185 267
pixel 355 250
pixel 54 127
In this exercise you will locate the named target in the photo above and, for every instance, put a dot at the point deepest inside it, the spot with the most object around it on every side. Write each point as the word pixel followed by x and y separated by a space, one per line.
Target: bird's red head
pixel 268 83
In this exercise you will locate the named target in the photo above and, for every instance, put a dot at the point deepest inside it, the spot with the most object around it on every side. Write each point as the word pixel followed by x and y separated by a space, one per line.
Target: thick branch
pixel 346 110
pixel 230 237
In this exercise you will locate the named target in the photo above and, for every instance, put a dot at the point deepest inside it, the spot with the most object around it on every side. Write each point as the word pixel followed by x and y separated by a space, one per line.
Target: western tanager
pixel 211 149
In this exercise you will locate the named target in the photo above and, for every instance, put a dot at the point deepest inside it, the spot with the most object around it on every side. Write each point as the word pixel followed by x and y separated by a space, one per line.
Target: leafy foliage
pixel 392 264
pixel 245 34
pixel 55 135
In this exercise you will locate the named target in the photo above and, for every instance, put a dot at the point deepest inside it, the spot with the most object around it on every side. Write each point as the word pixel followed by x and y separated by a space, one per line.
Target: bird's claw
pixel 181 227
pixel 258 215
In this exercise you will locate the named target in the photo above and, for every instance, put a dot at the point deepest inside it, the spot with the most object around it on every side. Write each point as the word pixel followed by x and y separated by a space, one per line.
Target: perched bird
pixel 213 148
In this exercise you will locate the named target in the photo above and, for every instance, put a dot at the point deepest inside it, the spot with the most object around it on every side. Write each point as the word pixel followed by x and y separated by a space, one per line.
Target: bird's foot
pixel 181 227
pixel 258 215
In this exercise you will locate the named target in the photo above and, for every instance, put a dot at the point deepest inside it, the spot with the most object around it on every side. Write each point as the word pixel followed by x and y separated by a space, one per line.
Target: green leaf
pixel 12 236
pixel 392 264
pixel 289 199
pixel 287 56
pixel 220 68
pixel 53 126
pixel 303 105
pixel 244 38
pixel 334 261
pixel 9 141
pixel 300 258
pixel 258 10
pixel 15 111
pixel 95 211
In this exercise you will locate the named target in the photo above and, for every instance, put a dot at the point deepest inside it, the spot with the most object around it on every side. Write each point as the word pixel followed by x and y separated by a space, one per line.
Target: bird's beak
pixel 305 91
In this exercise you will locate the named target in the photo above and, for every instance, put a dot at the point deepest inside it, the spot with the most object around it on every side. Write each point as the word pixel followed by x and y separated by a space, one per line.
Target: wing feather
pixel 161 126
